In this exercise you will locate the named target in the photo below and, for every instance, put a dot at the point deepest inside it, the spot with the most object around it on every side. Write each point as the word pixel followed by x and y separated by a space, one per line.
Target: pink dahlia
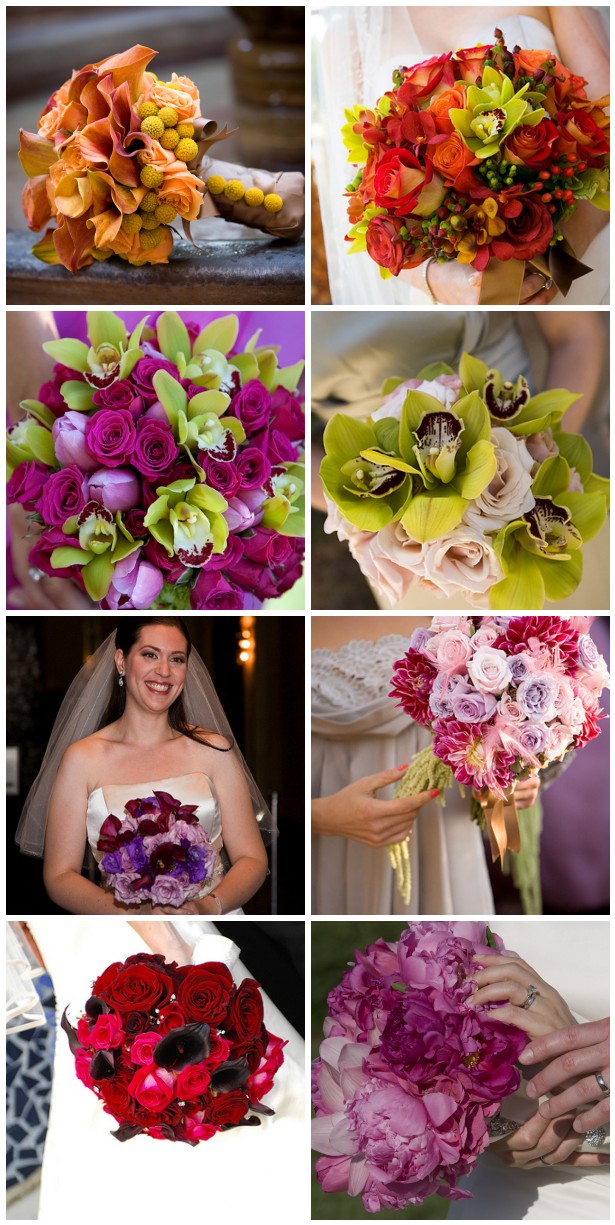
pixel 524 632
pixel 475 754
pixel 412 685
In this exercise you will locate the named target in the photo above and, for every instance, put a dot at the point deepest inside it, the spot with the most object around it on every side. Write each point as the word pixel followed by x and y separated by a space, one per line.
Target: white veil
pixel 80 713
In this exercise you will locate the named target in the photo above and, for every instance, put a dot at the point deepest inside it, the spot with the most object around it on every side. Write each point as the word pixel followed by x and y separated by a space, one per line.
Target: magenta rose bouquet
pixel 410 1074
pixel 164 469
pixel 159 853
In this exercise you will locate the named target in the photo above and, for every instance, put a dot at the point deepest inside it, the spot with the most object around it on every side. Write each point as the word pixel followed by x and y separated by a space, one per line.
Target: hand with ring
pixel 542 1142
pixel 578 1066
pixel 527 1001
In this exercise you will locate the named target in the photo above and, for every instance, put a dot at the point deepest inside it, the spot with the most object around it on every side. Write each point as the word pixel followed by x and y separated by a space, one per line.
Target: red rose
pixel 105 979
pixel 245 1015
pixel 153 1087
pixel 421 80
pixel 205 992
pixel 529 229
pixel 118 1101
pixel 170 1017
pixel 252 1049
pixel 219 1050
pixel 228 1108
pixel 192 1081
pixel 261 1081
pixel 135 1023
pixel 592 141
pixel 384 245
pixel 139 987
pixel 399 180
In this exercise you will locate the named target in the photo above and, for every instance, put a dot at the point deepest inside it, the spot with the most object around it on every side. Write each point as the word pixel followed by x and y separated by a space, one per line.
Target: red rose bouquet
pixel 480 157
pixel 175 1052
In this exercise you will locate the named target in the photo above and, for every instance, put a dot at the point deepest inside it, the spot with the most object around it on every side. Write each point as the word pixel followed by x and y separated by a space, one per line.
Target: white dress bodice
pixel 358 730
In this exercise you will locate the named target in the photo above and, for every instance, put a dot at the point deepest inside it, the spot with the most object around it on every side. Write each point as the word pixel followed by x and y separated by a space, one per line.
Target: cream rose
pixel 509 494
pixel 386 559
pixel 461 562
pixel 541 446
pixel 489 670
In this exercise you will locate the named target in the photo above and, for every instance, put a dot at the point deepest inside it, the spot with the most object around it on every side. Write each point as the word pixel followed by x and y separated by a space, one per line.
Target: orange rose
pixel 469 62
pixel 529 145
pixel 183 190
pixel 443 103
pixel 181 93
pixel 565 84
pixel 451 156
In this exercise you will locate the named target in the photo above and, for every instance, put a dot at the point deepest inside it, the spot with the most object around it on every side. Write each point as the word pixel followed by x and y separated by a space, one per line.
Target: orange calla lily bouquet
pixel 120 155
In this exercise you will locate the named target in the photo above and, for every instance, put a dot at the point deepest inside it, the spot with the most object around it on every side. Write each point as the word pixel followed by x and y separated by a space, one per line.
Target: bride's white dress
pixel 358 730
pixel 573 957
pixel 358 48
pixel 245 1174
pixel 194 788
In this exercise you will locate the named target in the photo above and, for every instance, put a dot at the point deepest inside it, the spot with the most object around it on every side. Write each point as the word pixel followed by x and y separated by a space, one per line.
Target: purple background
pixel 283 328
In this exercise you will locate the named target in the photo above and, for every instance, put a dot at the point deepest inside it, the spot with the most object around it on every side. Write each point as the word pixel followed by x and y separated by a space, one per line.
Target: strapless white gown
pixel 193 788
pixel 358 49
pixel 245 1174
pixel 358 730
pixel 573 957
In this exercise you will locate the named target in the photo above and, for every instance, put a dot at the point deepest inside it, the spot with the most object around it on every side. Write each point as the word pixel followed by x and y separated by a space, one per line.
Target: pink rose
pixel 142 1049
pixel 64 495
pixel 153 1087
pixel 261 1081
pixel 489 670
pixel 192 1082
pixel 135 584
pixel 454 649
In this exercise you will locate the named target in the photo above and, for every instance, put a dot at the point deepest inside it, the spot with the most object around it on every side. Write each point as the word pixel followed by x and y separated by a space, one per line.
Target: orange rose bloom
pixel 451 156
pixel 528 62
pixel 183 190
pixel 182 95
pixel 443 103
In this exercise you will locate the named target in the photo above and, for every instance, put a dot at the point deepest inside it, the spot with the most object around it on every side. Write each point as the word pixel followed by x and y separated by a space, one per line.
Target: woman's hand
pixel 539 1142
pixel 534 291
pixel 451 283
pixel 46 593
pixel 526 791
pixel 506 977
pixel 575 1055
pixel 354 812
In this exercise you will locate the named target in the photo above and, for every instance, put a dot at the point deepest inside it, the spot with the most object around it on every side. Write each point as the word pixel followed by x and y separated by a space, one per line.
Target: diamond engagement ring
pixel 35 574
pixel 532 992
pixel 500 1127
pixel 596 1136
pixel 602 1085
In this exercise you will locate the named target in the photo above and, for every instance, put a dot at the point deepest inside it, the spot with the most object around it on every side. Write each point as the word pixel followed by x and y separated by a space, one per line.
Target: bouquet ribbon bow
pixel 501 282
pixel 502 821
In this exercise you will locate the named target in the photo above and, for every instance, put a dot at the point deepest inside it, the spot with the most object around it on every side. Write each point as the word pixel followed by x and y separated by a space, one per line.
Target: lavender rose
pixel 473 707
pixel 537 696
pixel 118 489
pixel 64 495
pixel 110 436
pixel 533 738
pixel 169 890
pixel 120 394
pixel 155 448
pixel 69 441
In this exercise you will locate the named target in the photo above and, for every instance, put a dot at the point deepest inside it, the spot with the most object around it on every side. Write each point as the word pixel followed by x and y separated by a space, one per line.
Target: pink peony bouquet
pixel 159 853
pixel 409 1075
pixel 502 697
pixel 164 468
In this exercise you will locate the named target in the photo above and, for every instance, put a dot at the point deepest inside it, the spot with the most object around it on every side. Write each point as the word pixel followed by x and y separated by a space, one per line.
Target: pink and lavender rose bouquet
pixel 158 853
pixel 409 1074
pixel 164 469
pixel 502 697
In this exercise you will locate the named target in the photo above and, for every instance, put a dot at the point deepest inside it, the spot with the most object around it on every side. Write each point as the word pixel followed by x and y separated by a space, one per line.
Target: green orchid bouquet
pixel 465 484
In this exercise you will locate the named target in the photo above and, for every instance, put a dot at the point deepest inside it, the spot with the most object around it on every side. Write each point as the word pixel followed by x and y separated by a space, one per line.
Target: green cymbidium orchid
pixel 540 553
pixel 186 519
pixel 198 424
pixel 284 509
pixel 111 355
pixel 103 541
pixel 369 492
pixel 493 111
pixel 206 362
pixel 31 438
pixel 511 404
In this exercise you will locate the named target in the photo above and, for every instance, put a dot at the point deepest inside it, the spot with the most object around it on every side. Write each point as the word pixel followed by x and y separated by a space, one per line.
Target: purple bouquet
pixel 164 468
pixel 159 853
pixel 408 1074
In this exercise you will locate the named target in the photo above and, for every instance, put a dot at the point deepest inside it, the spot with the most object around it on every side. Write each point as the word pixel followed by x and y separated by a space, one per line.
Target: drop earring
pixel 121 680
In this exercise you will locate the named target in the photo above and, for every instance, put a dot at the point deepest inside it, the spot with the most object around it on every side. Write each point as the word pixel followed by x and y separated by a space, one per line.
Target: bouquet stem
pixel 425 772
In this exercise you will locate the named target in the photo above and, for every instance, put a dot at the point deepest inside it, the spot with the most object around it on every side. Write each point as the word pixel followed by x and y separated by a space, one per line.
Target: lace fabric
pixel 356 673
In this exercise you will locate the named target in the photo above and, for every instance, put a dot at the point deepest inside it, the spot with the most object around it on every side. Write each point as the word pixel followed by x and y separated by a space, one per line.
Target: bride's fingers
pixel 578 1095
pixel 408 805
pixel 569 1067
pixel 598 1116
pixel 569 1039
pixel 588 1159
pixel 507 989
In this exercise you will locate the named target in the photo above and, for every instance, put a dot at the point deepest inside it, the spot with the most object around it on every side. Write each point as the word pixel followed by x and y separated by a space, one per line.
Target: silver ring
pixel 532 992
pixel 35 574
pixel 500 1127
pixel 596 1136
pixel 548 281
pixel 544 1161
pixel 602 1085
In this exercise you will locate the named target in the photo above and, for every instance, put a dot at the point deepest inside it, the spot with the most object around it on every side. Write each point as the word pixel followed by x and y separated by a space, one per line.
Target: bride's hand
pixel 540 1142
pixel 575 1058
pixel 505 977
pixel 452 284
pixel 526 791
pixel 354 812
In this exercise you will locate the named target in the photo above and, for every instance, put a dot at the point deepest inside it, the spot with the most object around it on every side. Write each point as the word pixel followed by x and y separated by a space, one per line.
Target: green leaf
pixel 433 515
pixel 71 353
pixel 552 478
pixel 78 395
pixel 41 445
pixel 171 394
pixel 472 373
pixel 67 555
pixel 481 467
pixel 523 587
pixel 208 402
pixel 588 512
pixel 104 327
pixel 288 376
pixel 578 453
pixel 247 366
pixel 39 411
pixel 97 576
pixel 561 578
pixel 45 249
pixel 390 385
pixel 220 335
pixel 173 336
pixel 489 939
pixel 400 986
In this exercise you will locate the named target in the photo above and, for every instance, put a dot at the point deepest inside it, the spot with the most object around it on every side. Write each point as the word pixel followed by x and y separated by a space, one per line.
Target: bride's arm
pixel 241 838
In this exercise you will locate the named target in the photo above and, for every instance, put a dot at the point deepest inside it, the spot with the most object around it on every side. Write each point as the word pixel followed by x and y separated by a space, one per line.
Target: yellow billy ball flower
pixel 234 190
pixel 186 149
pixel 132 223
pixel 150 177
pixel 149 202
pixel 169 116
pixel 153 127
pixel 215 184
pixel 149 221
pixel 165 214
pixel 169 138
pixel 273 203
pixel 151 238
pixel 185 129
pixel 147 109
pixel 254 197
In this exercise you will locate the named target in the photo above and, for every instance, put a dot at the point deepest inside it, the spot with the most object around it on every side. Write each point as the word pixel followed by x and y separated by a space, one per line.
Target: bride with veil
pixel 142 717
